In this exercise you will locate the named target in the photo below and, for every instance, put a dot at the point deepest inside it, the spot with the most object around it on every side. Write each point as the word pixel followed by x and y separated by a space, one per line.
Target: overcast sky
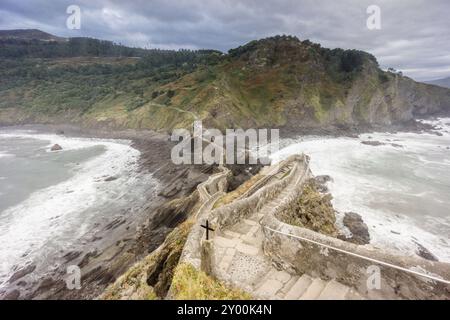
pixel 414 35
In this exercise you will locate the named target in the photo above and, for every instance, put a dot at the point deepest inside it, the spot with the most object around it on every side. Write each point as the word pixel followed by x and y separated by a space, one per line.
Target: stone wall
pixel 192 248
pixel 234 212
pixel 302 256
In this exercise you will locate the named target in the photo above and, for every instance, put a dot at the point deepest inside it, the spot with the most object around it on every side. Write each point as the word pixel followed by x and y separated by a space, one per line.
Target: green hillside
pixel 278 81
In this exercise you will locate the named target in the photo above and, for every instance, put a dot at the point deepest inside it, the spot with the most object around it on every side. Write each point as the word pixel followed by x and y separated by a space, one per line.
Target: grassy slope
pixel 271 82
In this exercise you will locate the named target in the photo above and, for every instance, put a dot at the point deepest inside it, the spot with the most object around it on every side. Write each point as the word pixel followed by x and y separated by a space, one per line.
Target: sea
pixel 401 187
pixel 50 201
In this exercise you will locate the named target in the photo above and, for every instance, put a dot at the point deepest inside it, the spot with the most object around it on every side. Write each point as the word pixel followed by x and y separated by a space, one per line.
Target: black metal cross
pixel 208 228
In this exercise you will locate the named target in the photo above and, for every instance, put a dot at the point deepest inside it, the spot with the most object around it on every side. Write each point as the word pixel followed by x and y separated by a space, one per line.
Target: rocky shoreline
pixel 116 246
pixel 101 266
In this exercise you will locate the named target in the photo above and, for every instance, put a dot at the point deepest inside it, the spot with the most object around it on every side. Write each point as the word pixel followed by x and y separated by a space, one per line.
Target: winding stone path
pixel 241 262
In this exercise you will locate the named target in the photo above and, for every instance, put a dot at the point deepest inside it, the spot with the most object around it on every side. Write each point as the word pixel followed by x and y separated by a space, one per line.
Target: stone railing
pixel 231 213
pixel 234 212
pixel 301 250
pixel 218 183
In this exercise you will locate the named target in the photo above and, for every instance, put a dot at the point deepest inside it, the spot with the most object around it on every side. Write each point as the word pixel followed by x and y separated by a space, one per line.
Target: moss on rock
pixel 151 277
pixel 191 284
pixel 312 210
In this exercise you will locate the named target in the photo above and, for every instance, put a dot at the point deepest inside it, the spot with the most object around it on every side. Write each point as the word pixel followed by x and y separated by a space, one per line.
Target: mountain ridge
pixel 278 81
pixel 444 82
pixel 29 34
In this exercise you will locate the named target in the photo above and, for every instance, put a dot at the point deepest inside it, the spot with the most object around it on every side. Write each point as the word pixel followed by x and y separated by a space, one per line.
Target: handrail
pixel 361 256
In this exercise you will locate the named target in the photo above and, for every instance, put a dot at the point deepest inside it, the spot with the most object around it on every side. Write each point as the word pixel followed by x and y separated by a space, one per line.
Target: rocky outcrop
pixel 311 210
pixel 357 227
pixel 56 147
pixel 151 277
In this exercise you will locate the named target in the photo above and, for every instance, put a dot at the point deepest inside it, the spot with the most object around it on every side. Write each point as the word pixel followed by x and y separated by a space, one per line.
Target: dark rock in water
pixel 395 232
pixel 12 295
pixel 72 255
pixel 46 284
pixel 395 145
pixel 323 179
pixel 373 143
pixel 321 183
pixel 60 132
pixel 359 230
pixel 112 178
pixel 22 283
pixel 22 273
pixel 56 147
pixel 425 253
pixel 115 223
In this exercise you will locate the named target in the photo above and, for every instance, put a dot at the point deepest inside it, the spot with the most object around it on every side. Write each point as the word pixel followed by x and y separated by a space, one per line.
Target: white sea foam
pixel 387 184
pixel 58 214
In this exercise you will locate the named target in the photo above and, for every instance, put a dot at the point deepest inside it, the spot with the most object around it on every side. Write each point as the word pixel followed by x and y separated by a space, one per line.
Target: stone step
pixel 225 242
pixel 247 249
pixel 231 234
pixel 297 290
pixel 269 288
pixel 334 291
pixel 268 275
pixel 288 285
pixel 313 290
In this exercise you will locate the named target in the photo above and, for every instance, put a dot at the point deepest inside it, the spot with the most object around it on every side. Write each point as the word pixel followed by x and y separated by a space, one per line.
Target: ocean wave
pixel 379 181
pixel 59 214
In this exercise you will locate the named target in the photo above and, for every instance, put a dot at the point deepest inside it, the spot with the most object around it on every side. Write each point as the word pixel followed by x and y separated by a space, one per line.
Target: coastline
pixel 383 192
pixel 114 247
pixel 102 267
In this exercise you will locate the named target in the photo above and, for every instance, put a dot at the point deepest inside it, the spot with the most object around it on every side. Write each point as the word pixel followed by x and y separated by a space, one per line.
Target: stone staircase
pixel 241 262
pixel 236 255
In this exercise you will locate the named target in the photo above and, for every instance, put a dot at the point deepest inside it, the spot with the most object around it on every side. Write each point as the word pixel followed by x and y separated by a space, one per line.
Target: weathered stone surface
pixel 207 257
pixel 270 288
pixel 313 290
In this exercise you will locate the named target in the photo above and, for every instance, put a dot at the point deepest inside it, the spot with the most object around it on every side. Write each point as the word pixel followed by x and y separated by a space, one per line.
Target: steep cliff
pixel 274 82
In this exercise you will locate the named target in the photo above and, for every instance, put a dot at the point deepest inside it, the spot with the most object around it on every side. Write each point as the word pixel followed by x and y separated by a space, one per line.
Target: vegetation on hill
pixel 277 81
